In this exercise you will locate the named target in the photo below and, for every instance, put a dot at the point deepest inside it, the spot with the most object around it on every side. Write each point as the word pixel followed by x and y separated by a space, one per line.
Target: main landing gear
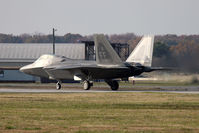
pixel 87 85
pixel 113 84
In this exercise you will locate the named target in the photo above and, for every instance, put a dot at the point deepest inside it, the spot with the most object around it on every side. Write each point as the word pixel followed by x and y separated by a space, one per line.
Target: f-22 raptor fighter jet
pixel 108 65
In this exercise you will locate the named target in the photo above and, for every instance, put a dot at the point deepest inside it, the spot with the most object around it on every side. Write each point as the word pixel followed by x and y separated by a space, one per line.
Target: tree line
pixel 170 50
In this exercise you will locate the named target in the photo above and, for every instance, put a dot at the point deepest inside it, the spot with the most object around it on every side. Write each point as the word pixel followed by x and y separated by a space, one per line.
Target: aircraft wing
pixel 70 67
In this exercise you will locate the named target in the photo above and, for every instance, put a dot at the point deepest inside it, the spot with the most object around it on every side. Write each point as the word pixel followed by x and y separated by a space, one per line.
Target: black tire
pixel 114 85
pixel 58 86
pixel 86 85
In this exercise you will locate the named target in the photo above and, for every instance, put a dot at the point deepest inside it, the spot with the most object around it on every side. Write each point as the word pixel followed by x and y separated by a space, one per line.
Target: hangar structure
pixel 16 55
pixel 122 49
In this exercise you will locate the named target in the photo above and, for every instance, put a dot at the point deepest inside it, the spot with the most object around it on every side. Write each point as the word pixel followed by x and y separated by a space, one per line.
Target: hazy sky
pixel 99 16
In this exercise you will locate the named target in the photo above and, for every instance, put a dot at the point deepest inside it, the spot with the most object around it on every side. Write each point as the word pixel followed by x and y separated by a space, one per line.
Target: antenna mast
pixel 54 40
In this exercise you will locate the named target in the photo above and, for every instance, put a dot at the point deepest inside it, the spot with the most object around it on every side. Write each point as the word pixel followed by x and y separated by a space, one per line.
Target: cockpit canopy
pixel 47 59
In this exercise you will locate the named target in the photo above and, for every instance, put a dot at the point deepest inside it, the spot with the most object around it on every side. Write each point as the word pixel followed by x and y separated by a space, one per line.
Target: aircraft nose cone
pixel 22 69
pixel 25 69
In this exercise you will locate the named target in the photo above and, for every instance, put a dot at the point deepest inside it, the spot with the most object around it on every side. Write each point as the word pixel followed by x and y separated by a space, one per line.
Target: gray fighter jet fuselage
pixel 80 69
pixel 108 65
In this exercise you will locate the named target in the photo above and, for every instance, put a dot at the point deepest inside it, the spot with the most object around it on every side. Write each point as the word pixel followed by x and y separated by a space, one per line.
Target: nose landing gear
pixel 58 85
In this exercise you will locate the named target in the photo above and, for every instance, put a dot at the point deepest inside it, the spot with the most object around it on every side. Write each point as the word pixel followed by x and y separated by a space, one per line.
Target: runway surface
pixel 101 88
pixel 82 91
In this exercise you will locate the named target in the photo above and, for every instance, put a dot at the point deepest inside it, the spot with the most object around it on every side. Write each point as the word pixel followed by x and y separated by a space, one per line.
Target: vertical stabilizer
pixel 105 54
pixel 143 52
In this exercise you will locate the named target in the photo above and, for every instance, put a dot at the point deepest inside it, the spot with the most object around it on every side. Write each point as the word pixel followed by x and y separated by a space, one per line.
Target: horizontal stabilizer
pixel 150 69
pixel 162 68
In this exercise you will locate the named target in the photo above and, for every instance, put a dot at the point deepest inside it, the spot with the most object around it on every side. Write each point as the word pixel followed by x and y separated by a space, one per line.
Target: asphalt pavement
pixel 77 88
pixel 9 90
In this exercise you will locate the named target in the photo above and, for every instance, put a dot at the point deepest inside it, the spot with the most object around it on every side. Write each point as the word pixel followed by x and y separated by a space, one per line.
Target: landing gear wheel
pixel 86 85
pixel 58 86
pixel 114 85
